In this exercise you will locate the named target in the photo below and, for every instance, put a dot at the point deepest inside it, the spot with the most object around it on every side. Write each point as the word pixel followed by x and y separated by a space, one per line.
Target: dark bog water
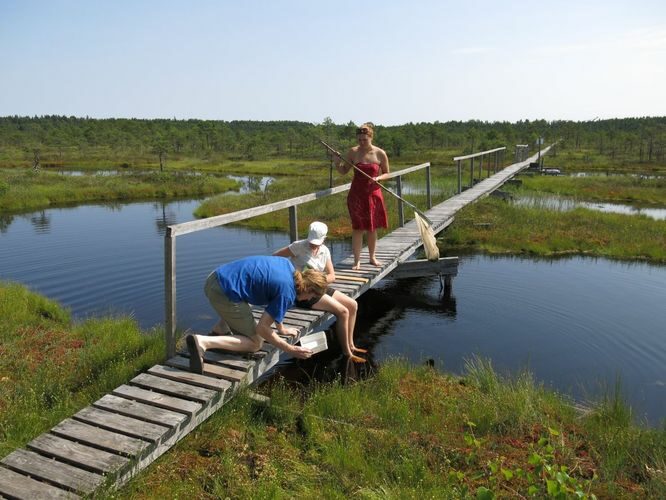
pixel 577 323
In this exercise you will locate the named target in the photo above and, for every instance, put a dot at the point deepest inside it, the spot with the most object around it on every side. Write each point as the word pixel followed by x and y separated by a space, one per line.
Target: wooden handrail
pixel 474 155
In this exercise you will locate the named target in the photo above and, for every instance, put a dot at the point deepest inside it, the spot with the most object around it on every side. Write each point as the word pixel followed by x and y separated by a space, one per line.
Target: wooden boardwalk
pixel 108 442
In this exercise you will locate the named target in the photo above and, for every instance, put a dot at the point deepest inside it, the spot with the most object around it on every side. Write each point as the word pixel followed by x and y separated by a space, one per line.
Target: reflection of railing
pixel 481 155
pixel 220 220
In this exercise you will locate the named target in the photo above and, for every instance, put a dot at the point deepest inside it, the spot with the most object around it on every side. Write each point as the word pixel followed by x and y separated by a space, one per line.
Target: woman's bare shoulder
pixel 379 151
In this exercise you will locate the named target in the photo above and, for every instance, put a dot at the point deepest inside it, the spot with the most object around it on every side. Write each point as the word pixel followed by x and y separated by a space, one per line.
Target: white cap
pixel 317 233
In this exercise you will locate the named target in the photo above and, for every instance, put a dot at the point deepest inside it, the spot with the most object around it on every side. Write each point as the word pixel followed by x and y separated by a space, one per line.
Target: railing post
pixel 401 213
pixel 471 173
pixel 428 188
pixel 293 223
pixel 170 293
pixel 459 176
pixel 496 158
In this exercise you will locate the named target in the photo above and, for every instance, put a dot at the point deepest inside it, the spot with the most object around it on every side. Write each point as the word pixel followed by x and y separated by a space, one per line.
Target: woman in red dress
pixel 365 201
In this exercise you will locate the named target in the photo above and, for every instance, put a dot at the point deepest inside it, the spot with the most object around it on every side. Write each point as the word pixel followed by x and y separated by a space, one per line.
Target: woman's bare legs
pixel 372 243
pixel 328 303
pixel 357 243
pixel 352 307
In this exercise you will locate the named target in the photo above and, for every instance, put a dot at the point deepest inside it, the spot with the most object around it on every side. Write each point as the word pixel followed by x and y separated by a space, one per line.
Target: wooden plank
pixel 16 485
pixel 187 377
pixel 140 411
pixel 173 388
pixel 301 314
pixel 156 399
pixel 423 267
pixel 149 431
pixel 211 370
pixel 99 438
pixel 78 454
pixel 62 474
pixel 237 362
pixel 341 287
pixel 349 277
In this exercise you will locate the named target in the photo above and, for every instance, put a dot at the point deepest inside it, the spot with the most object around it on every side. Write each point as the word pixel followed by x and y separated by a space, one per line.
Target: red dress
pixel 365 201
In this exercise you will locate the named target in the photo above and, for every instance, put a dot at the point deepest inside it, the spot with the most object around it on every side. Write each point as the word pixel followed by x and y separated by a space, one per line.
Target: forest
pixel 61 140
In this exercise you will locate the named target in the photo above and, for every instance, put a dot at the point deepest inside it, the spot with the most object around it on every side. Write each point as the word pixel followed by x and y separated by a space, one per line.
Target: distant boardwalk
pixel 123 432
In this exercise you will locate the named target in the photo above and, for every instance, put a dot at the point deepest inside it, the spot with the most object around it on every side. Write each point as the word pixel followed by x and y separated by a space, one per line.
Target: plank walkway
pixel 108 442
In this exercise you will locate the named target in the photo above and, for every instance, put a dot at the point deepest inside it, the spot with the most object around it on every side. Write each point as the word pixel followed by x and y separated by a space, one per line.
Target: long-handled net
pixel 422 222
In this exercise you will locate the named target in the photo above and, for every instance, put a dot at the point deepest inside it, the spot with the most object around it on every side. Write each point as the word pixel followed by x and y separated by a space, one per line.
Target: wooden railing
pixel 481 155
pixel 220 220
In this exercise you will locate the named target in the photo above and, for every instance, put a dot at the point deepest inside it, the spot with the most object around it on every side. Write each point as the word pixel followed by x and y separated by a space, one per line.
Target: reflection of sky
pixel 564 204
pixel 252 183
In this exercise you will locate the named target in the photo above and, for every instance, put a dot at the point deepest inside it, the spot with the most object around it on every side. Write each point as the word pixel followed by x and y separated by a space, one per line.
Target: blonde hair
pixel 368 128
pixel 310 281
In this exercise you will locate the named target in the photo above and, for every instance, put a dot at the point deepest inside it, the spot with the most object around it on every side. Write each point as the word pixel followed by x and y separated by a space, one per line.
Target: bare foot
pixel 356 266
pixel 375 262
pixel 357 359
pixel 358 349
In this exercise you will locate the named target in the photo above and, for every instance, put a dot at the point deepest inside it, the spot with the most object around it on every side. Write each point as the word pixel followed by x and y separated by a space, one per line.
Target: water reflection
pixel 5 221
pixel 566 204
pixel 251 183
pixel 167 217
pixel 41 221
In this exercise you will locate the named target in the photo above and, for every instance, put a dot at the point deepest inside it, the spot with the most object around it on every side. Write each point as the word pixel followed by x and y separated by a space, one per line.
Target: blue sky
pixel 390 62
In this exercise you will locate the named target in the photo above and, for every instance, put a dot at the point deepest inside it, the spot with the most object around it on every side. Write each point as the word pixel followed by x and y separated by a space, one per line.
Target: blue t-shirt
pixel 261 281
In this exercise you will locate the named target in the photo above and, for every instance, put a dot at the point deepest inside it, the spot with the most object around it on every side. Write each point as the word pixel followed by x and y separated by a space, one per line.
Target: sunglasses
pixel 364 130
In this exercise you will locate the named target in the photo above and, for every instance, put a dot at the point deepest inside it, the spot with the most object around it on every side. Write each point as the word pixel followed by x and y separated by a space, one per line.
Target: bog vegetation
pixel 61 140
pixel 407 431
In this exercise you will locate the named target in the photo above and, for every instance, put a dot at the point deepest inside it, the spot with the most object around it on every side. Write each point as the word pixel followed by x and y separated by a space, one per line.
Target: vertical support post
pixel 497 153
pixel 471 173
pixel 428 188
pixel 293 223
pixel 481 168
pixel 170 293
pixel 401 211
pixel 330 175
pixel 459 177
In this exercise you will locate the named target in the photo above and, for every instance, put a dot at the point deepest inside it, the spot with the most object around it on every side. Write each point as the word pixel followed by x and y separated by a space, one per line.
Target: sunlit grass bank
pixel 23 189
pixel 412 432
pixel 51 367
pixel 496 226
pixel 627 189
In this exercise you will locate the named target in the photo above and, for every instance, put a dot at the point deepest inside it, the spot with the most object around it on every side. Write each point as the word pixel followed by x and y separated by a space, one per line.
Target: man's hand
pixel 300 352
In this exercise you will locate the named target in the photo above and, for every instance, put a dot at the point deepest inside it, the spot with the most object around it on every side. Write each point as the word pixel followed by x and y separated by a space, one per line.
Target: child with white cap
pixel 311 253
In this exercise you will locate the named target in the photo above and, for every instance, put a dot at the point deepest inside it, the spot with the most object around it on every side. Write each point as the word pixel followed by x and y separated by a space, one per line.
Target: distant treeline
pixel 60 137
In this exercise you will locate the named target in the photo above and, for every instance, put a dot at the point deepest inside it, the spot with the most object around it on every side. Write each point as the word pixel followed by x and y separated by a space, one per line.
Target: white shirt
pixel 303 258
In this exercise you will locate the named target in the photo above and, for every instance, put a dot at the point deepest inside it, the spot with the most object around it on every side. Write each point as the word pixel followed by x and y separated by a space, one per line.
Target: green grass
pixel 622 189
pixel 495 226
pixel 51 367
pixel 407 432
pixel 404 432
pixel 23 189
